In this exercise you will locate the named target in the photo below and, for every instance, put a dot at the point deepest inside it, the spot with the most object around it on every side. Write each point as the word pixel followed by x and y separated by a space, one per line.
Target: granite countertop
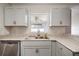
pixel 19 38
pixel 68 41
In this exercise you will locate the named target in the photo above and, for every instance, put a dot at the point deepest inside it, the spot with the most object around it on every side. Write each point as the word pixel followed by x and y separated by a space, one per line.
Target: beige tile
pixel 19 31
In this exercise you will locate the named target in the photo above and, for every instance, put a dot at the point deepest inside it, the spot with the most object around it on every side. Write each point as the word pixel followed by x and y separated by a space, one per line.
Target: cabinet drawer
pixel 36 43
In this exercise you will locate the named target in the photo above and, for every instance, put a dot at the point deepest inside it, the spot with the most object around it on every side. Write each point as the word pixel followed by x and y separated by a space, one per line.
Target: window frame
pixel 47 21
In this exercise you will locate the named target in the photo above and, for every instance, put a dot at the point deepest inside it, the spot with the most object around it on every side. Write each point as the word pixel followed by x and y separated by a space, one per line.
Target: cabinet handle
pixel 14 22
pixel 60 22
pixel 37 51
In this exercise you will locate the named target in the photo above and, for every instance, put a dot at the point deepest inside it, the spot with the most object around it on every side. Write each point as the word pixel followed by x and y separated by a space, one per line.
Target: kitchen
pixel 39 29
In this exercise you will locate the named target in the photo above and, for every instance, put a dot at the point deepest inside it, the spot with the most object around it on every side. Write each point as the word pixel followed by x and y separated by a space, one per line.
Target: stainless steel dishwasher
pixel 9 48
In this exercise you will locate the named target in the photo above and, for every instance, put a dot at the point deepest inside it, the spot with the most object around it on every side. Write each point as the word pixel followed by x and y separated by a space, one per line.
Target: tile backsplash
pixel 19 31
pixel 59 30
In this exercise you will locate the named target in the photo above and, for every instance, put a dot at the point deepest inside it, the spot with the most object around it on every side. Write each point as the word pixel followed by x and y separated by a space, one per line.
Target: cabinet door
pixel 15 16
pixel 45 52
pixel 41 48
pixel 1 17
pixel 30 52
pixel 53 48
pixel 9 16
pixel 66 52
pixel 21 16
pixel 58 50
pixel 36 52
pixel 60 17
pixel 62 51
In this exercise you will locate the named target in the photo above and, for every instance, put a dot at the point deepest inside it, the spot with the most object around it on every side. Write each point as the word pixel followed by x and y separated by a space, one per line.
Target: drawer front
pixel 29 52
pixel 36 43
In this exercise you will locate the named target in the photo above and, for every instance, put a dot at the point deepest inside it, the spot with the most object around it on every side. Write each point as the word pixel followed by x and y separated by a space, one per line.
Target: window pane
pixel 36 30
pixel 39 22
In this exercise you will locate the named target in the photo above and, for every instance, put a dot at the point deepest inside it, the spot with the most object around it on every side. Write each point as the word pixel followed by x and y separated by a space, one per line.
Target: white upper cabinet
pixel 15 16
pixel 75 21
pixel 21 16
pixel 9 16
pixel 3 31
pixel 1 17
pixel 60 17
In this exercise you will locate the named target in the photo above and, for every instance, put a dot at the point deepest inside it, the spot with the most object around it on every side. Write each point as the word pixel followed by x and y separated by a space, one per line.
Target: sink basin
pixel 41 37
pixel 36 38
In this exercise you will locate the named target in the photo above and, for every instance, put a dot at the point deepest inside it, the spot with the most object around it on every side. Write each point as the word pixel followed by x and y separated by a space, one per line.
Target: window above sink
pixel 39 22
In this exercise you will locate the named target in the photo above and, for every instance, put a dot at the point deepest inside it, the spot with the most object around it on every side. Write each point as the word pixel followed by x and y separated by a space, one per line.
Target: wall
pixel 75 21
pixel 40 8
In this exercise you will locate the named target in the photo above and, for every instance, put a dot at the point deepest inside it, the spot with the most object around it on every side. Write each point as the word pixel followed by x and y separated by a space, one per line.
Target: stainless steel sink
pixel 40 38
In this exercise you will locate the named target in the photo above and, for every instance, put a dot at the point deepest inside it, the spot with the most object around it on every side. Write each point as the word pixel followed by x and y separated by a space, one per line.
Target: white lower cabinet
pixel 36 48
pixel 53 48
pixel 67 52
pixel 45 48
pixel 62 51
pixel 58 49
